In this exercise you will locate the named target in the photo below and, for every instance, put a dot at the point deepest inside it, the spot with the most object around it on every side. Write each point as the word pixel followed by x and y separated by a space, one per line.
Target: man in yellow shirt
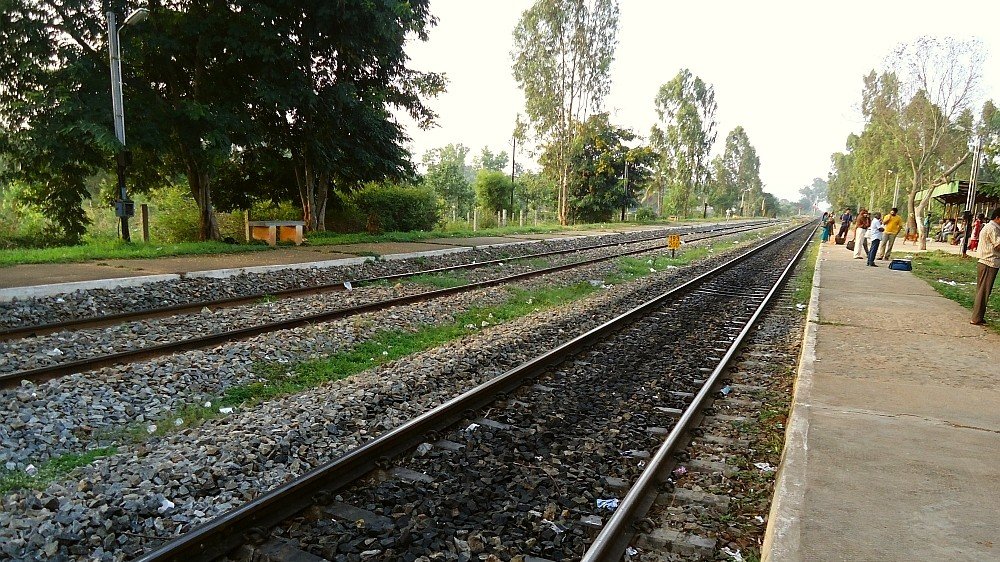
pixel 893 223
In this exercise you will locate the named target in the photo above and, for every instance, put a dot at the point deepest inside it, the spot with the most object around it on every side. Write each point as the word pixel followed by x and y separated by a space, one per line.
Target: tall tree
pixel 932 81
pixel 563 51
pixel 736 173
pixel 684 136
pixel 811 195
pixel 487 160
pixel 450 177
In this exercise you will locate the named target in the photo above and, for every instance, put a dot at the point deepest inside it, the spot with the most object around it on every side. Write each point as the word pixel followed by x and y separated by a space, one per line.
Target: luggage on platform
pixel 840 240
pixel 850 245
pixel 901 265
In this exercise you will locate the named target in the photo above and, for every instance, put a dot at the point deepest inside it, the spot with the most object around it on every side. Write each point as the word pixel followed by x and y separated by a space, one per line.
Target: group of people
pixel 873 234
pixel 953 231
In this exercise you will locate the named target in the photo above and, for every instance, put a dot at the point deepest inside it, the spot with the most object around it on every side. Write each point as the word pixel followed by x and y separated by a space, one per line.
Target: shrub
pixel 645 214
pixel 391 207
pixel 173 215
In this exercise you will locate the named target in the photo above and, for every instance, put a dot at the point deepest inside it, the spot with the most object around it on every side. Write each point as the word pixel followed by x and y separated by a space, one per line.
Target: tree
pixel 492 190
pixel 931 83
pixel 489 161
pixel 684 136
pixel 812 195
pixel 736 173
pixel 562 57
pixel 449 176
pixel 335 72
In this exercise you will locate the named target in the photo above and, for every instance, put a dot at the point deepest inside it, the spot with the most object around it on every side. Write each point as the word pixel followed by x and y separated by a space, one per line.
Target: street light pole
pixel 625 190
pixel 970 198
pixel 124 207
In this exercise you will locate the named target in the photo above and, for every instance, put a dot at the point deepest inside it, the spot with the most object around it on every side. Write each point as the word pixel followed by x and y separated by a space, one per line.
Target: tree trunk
pixel 201 189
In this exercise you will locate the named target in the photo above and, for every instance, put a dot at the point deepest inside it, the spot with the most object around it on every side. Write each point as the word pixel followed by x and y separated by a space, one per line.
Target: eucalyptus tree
pixel 563 51
pixel 932 82
pixel 736 173
pixel 684 136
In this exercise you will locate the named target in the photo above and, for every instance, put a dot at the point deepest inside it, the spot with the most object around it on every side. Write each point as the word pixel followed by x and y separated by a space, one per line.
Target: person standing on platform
pixel 989 264
pixel 893 224
pixel 875 235
pixel 860 229
pixel 845 223
pixel 977 227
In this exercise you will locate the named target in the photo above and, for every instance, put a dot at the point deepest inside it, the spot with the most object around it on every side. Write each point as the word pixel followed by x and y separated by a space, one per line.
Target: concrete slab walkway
pixel 893 445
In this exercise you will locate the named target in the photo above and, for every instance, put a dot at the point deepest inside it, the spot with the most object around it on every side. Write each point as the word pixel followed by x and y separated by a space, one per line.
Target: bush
pixel 23 225
pixel 399 208
pixel 173 215
pixel 645 214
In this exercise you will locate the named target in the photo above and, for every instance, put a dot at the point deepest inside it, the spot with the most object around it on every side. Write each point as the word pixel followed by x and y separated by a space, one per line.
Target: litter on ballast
pixel 554 526
pixel 348 286
pixel 681 470
pixel 758 519
pixel 424 448
pixel 651 270
pixel 472 427
pixel 55 352
pixel 609 504
pixel 734 554
pixel 151 428
pixel 225 410
pixel 165 506
pixel 208 404
pixel 726 390
pixel 631 551
pixel 179 422
pixel 764 466
pixel 30 470
pixel 800 306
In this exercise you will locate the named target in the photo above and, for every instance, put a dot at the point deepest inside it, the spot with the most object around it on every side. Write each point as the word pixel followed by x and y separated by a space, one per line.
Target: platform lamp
pixel 124 207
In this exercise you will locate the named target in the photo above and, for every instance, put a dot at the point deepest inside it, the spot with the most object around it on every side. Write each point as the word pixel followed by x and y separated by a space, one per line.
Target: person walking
pixel 977 228
pixel 860 229
pixel 989 264
pixel 845 224
pixel 826 226
pixel 893 224
pixel 875 235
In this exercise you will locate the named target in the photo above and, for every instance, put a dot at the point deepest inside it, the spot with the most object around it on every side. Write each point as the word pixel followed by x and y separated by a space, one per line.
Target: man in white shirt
pixel 875 236
pixel 989 264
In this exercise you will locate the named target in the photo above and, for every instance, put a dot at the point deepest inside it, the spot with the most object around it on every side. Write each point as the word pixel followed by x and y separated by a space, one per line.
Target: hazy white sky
pixel 788 72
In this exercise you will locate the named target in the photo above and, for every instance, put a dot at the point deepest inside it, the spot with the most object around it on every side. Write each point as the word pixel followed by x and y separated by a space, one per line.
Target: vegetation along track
pixel 106 354
pixel 514 469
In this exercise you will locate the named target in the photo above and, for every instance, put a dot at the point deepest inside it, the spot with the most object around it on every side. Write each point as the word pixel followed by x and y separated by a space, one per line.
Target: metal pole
pixel 895 194
pixel 122 205
pixel 513 153
pixel 970 197
pixel 625 191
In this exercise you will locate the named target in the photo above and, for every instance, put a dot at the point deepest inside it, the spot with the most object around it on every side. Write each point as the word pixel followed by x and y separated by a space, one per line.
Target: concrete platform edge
pixel 30 291
pixel 783 534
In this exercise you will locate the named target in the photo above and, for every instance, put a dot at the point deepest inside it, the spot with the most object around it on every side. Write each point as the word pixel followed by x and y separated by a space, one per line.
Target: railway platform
pixel 893 446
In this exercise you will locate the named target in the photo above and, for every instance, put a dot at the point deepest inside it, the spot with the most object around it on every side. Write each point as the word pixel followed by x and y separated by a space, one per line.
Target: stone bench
pixel 273 232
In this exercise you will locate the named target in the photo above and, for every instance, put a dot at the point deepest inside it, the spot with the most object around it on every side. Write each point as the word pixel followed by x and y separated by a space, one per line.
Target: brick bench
pixel 273 232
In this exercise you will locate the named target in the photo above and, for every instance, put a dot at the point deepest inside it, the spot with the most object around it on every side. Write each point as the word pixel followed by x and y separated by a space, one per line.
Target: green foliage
pixel 562 59
pixel 645 214
pixel 21 224
pixel 736 175
pixel 493 191
pixel 685 107
pixel 955 278
pixel 391 207
pixel 489 161
pixel 450 178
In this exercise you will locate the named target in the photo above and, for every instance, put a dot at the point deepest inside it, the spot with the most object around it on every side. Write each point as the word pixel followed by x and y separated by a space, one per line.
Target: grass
pixel 941 269
pixel 440 280
pixel 116 249
pixel 50 470
pixel 803 280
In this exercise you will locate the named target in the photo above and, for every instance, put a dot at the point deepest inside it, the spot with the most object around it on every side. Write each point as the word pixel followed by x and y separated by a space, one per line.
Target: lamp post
pixel 124 208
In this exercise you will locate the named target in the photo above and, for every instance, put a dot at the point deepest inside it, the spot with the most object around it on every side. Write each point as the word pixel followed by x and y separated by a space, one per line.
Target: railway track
pixel 61 368
pixel 18 332
pixel 510 468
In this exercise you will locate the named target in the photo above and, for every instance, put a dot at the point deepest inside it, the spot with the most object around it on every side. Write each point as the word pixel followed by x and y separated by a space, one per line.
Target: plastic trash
pixel 151 428
pixel 726 390
pixel 424 448
pixel 631 551
pixel 348 286
pixel 609 504
pixel 55 352
pixel 30 470
pixel 651 270
pixel 165 506
pixel 208 404
pixel 764 466
pixel 472 427
pixel 681 470
pixel 800 306
pixel 734 554
pixel 179 422
pixel 758 519
pixel 225 410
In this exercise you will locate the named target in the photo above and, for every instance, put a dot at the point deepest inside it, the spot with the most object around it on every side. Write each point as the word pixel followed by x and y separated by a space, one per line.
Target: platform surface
pixel 893 445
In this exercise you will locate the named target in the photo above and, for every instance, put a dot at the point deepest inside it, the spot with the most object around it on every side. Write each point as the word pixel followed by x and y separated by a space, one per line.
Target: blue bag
pixel 901 265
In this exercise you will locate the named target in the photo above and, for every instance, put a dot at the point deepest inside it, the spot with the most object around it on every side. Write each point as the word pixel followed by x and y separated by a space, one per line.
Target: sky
pixel 789 72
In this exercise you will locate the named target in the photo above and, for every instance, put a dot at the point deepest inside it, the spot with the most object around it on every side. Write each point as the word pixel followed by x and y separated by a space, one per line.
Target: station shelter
pixel 954 194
